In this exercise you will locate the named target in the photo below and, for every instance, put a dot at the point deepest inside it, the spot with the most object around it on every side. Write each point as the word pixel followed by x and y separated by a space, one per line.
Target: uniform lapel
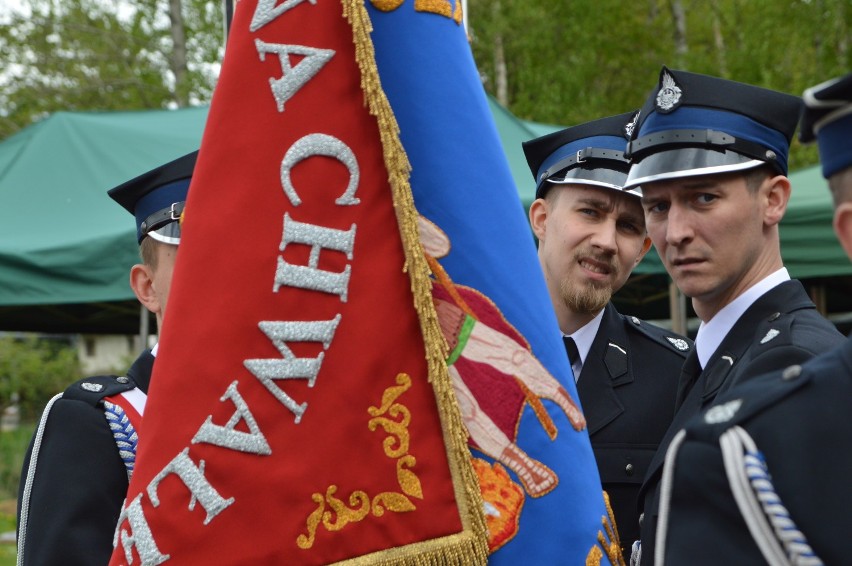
pixel 605 367
pixel 786 297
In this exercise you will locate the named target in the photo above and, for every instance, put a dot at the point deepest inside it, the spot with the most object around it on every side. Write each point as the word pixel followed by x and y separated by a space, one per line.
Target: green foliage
pixel 35 370
pixel 92 55
pixel 8 555
pixel 573 61
pixel 13 447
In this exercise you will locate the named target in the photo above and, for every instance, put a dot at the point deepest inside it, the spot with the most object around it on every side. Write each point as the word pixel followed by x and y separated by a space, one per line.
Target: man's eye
pixel 705 198
pixel 629 227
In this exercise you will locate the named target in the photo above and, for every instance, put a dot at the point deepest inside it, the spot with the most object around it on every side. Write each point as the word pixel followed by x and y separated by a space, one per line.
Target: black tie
pixel 688 377
pixel 571 348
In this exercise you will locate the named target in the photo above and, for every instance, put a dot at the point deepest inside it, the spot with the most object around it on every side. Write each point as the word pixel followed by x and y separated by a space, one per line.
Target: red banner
pixel 300 408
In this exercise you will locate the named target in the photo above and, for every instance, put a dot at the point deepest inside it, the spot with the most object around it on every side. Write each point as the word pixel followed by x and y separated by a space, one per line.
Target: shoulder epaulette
pixel 751 398
pixel 92 389
pixel 667 338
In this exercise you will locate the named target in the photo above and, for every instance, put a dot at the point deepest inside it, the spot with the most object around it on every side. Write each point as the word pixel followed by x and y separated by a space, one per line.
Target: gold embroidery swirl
pixel 332 513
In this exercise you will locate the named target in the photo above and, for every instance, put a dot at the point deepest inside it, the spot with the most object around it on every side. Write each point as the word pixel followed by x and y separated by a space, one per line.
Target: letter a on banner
pixel 301 409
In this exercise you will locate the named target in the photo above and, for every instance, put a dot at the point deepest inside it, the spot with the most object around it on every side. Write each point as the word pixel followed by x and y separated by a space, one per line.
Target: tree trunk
pixel 178 58
pixel 719 40
pixel 843 35
pixel 501 82
pixel 679 21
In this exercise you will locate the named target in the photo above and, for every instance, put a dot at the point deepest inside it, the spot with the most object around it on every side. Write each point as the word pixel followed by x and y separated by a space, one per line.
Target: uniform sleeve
pixel 79 485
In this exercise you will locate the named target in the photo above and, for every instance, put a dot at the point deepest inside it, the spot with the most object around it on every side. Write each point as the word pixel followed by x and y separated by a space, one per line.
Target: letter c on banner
pixel 328 146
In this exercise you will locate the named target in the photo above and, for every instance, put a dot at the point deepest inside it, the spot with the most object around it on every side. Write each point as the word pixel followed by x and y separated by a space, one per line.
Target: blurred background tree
pixel 106 55
pixel 566 62
pixel 554 61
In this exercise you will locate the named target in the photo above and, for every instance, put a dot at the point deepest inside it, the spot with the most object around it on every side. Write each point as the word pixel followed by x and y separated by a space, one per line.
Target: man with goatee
pixel 591 235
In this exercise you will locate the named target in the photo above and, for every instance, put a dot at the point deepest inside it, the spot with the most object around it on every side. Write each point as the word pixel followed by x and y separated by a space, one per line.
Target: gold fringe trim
pixel 470 546
pixel 611 549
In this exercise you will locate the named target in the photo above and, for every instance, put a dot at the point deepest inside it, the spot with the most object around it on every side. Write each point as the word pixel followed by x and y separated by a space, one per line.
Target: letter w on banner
pixel 320 328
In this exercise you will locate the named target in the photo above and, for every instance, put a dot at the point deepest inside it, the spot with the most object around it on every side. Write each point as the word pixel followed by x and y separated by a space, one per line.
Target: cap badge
pixel 93 387
pixel 631 125
pixel 722 413
pixel 669 96
pixel 678 343
pixel 769 335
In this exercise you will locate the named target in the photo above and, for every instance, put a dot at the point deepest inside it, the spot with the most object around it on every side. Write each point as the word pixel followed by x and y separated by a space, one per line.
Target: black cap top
pixel 695 124
pixel 586 154
pixel 157 198
pixel 827 117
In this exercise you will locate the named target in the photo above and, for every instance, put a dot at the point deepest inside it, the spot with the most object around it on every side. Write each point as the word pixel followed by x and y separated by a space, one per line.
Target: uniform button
pixel 122 379
pixel 628 469
pixel 791 372
pixel 774 317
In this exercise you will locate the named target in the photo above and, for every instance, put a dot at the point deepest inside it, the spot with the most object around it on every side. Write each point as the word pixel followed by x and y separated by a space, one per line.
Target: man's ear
pixel 142 283
pixel 777 196
pixel 538 217
pixel 843 226
pixel 646 245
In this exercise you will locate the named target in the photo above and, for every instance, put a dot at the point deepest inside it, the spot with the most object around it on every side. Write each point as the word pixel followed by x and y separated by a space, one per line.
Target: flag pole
pixel 228 12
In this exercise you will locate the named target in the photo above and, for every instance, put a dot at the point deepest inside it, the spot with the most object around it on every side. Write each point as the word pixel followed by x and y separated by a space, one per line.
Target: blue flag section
pixel 542 495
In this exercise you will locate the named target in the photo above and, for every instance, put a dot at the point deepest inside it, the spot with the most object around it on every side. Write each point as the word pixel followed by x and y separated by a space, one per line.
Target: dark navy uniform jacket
pixel 800 421
pixel 79 480
pixel 627 390
pixel 780 329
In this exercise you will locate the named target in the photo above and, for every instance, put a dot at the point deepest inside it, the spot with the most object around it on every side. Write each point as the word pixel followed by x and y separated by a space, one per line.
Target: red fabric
pixel 223 287
pixel 132 414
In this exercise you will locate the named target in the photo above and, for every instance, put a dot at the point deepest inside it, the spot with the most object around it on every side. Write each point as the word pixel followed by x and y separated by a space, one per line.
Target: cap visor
pixel 168 234
pixel 599 177
pixel 686 162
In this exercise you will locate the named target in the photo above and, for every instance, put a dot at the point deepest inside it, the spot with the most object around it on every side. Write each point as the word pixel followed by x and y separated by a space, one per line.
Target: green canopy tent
pixel 66 248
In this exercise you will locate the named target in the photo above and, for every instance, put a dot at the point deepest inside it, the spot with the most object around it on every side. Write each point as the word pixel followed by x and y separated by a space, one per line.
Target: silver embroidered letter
pixel 266 11
pixel 291 367
pixel 328 146
pixel 193 478
pixel 292 78
pixel 310 276
pixel 141 538
pixel 227 436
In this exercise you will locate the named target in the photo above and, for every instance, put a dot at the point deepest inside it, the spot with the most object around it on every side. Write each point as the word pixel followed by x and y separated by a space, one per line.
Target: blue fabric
pixel 737 125
pixel 571 148
pixel 462 182
pixel 160 198
pixel 835 147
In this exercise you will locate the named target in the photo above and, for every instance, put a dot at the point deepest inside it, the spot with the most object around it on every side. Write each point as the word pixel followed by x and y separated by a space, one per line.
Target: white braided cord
pixel 770 524
pixel 665 500
pixel 28 486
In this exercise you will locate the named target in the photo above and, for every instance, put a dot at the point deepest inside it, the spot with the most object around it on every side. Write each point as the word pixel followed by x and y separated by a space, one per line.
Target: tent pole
pixel 677 308
pixel 144 329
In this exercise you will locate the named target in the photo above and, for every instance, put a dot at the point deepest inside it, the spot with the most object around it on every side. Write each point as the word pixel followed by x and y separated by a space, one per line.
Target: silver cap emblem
pixel 669 95
pixel 722 413
pixel 769 335
pixel 631 125
pixel 93 387
pixel 678 343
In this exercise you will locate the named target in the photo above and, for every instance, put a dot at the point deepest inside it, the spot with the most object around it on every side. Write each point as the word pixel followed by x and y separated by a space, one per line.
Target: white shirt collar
pixel 711 333
pixel 583 338
pixel 154 349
